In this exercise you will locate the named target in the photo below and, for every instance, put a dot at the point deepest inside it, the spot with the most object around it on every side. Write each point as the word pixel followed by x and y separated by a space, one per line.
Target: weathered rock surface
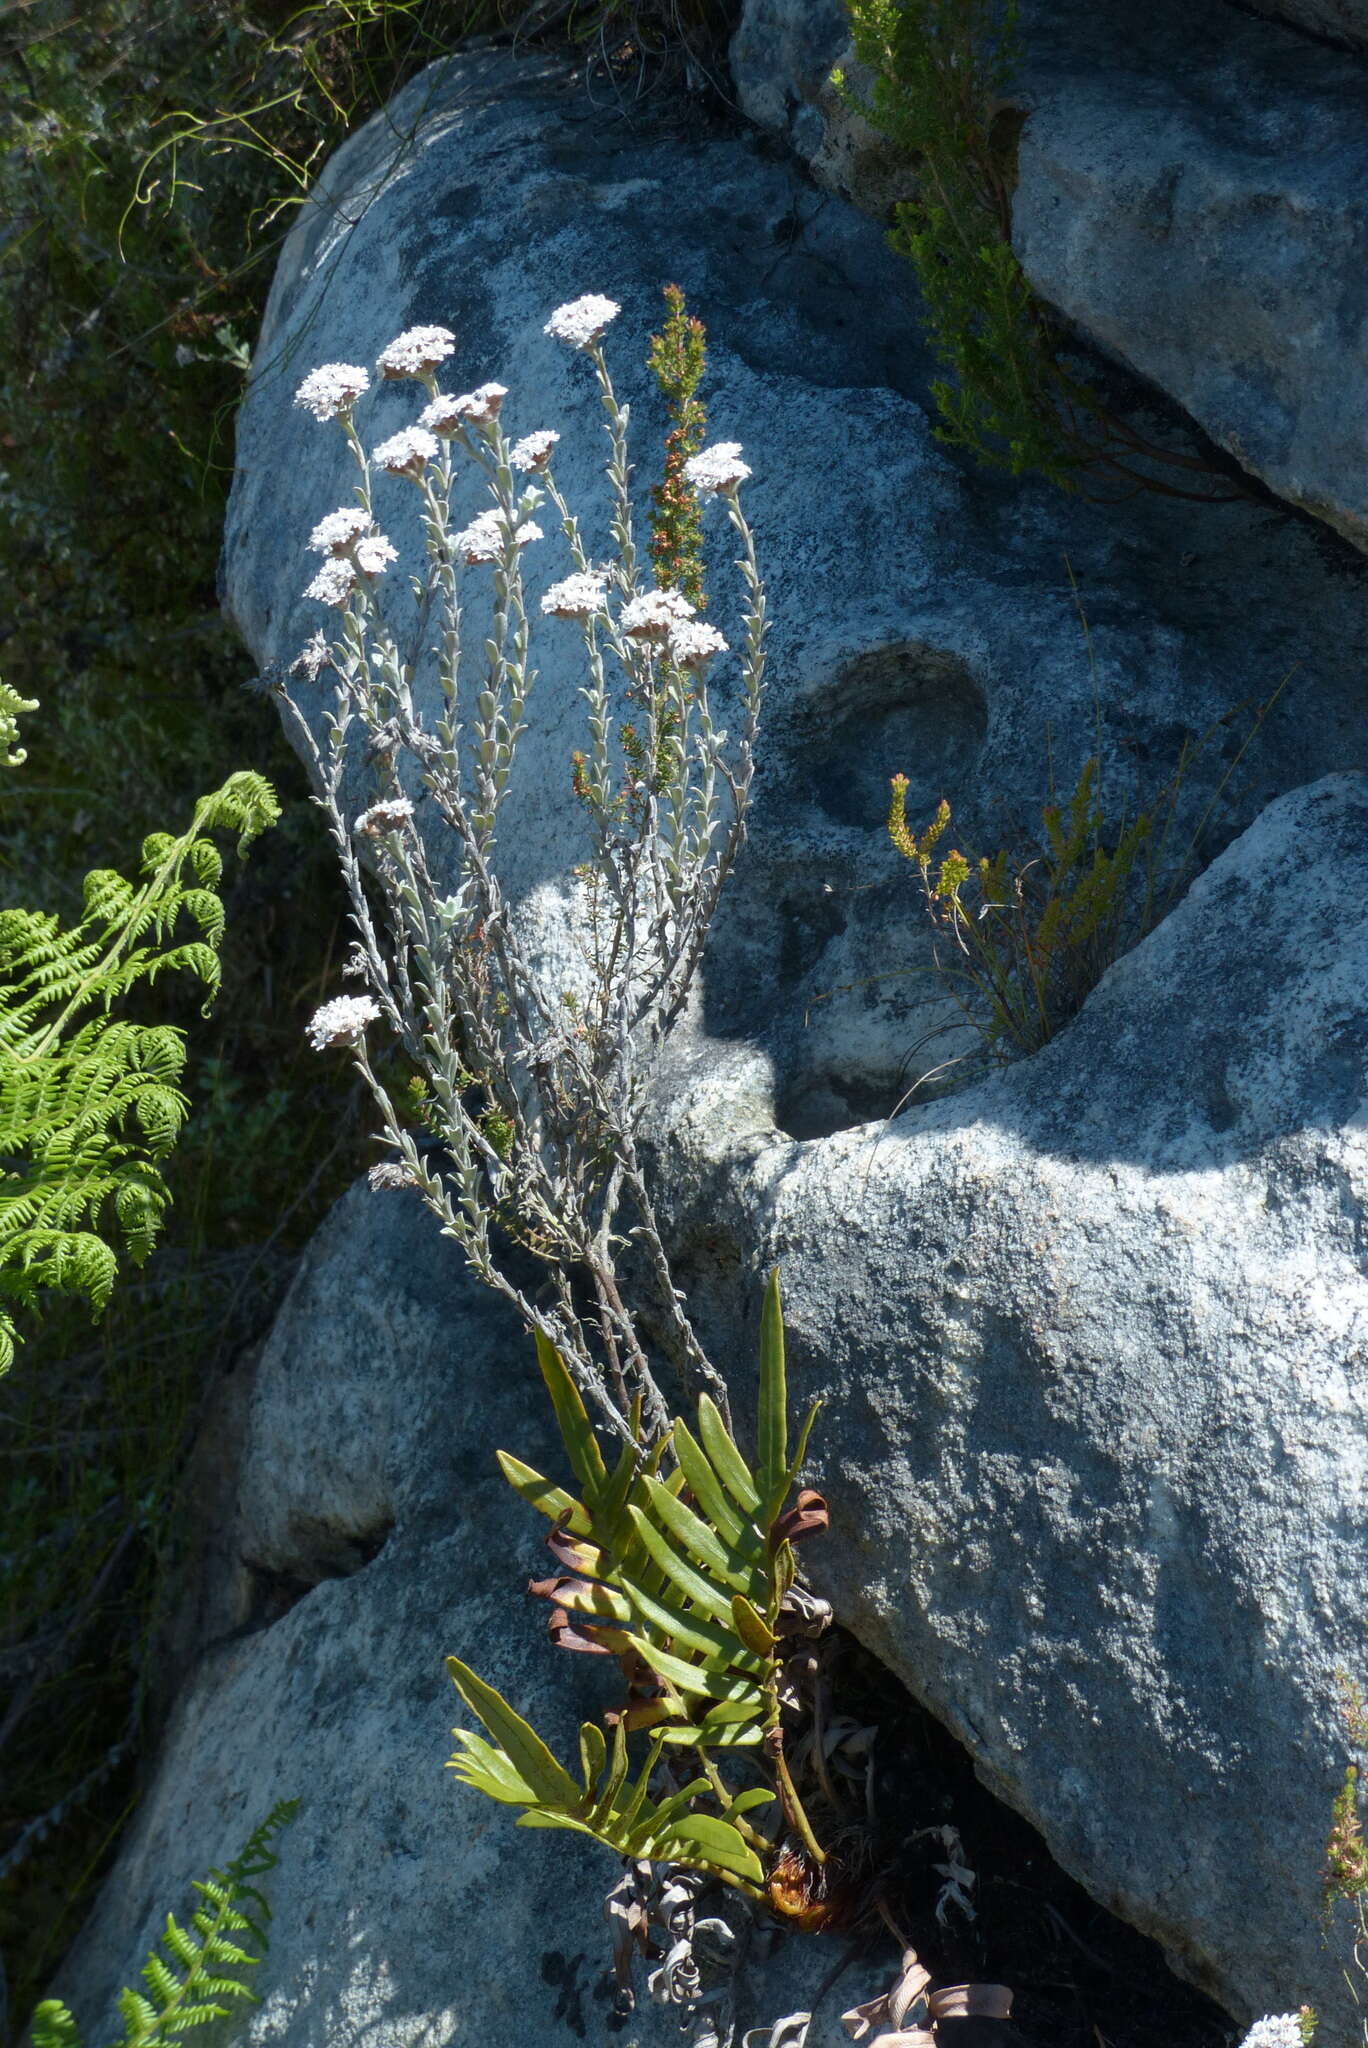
pixel 1344 20
pixel 1192 193
pixel 1093 1331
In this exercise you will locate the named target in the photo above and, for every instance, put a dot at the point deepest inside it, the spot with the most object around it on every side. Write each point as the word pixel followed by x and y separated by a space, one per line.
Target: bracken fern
pixel 89 1101
pixel 198 1978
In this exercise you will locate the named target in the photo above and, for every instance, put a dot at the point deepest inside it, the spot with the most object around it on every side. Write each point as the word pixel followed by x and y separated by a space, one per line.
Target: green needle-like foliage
pixel 198 1977
pixel 89 1101
pixel 683 1578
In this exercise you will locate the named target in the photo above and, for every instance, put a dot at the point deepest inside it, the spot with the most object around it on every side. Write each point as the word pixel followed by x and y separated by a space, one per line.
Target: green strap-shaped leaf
pixel 720 1844
pixel 771 1427
pixel 803 1434
pixel 692 1632
pixel 689 1735
pixel 581 1445
pixel 723 1456
pixel 752 1628
pixel 695 1678
pixel 593 1756
pixel 698 1539
pixel 552 1501
pixel 707 1489
pixel 477 1755
pixel 617 1771
pixel 524 1748
pixel 746 1802
pixel 713 1600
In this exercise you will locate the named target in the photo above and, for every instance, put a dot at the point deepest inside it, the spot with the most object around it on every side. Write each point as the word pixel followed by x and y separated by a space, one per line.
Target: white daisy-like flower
pixel 332 389
pixel 483 540
pixel 582 321
pixel 1275 2030
pixel 372 552
pixel 534 450
pixel 415 351
pixel 334 582
pixel 440 416
pixel 390 1176
pixel 405 453
pixel 392 814
pixel 335 534
pixel 313 657
pixel 478 408
pixel 577 597
pixel 342 1021
pixel 654 614
pixel 717 469
pixel 692 643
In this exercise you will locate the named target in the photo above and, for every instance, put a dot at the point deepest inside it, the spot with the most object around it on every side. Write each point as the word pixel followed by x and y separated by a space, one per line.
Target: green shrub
pixel 942 73
pixel 1026 934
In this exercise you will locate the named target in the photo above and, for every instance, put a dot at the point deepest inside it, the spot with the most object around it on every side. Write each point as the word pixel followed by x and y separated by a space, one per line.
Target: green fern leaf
pixel 88 1098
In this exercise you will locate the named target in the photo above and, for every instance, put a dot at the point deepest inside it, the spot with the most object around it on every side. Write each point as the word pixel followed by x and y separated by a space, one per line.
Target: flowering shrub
pixel 534 1095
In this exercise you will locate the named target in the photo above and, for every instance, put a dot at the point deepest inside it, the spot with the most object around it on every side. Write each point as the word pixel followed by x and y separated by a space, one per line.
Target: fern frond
pixel 88 1097
pixel 197 1977
pixel 52 2026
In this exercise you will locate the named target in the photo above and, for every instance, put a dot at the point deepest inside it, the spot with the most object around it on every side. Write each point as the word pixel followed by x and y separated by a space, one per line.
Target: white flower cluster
pixel 582 321
pixel 1275 2030
pixel 405 453
pixel 580 596
pixel 335 534
pixel 483 540
pixel 392 814
pixel 653 613
pixel 416 351
pixel 334 582
pixel 346 539
pixel 717 469
pixel 692 643
pixel 332 389
pixel 342 1021
pixel 666 617
pixel 534 450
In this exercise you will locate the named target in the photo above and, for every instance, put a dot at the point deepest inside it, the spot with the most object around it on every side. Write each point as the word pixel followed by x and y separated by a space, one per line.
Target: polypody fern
pixel 687 1579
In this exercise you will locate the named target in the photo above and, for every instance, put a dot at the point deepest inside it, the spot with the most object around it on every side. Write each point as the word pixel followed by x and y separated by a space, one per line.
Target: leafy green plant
pixel 942 72
pixel 685 1575
pixel 197 1977
pixel 1033 930
pixel 1030 930
pixel 677 357
pixel 88 1099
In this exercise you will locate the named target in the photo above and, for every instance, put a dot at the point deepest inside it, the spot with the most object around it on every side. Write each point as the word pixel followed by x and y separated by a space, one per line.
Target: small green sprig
pixel 194 1975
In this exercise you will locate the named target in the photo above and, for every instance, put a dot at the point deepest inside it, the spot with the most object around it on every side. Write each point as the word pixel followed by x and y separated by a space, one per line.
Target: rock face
pixel 1345 21
pixel 1092 1331
pixel 1192 193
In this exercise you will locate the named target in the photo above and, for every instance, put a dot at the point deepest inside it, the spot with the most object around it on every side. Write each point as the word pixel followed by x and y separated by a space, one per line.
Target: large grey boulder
pixel 1093 1331
pixel 1192 193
